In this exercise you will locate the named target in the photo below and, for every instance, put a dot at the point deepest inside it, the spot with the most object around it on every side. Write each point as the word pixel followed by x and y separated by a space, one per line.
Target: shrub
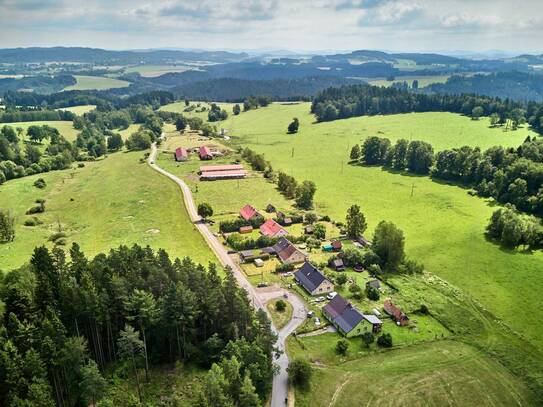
pixel 385 340
pixel 372 293
pixel 40 183
pixel 280 305
pixel 341 279
pixel 424 309
pixel 34 221
pixel 80 165
pixel 283 268
pixel 60 242
pixel 56 236
pixel 342 346
pixel 236 242
pixel 36 209
pixel 299 372
pixel 229 226
pixel 368 338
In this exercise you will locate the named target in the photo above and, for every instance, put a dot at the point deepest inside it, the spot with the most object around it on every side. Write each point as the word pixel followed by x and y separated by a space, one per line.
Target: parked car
pixel 288 274
pixel 331 295
pixel 317 322
pixel 262 284
pixel 285 295
pixel 320 299
pixel 310 314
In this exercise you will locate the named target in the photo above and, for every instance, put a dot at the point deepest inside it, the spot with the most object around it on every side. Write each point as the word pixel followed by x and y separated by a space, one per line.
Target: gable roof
pixel 204 151
pixel 372 319
pixel 284 249
pixel 271 228
pixel 225 167
pixel 336 244
pixel 309 276
pixel 180 152
pixel 374 284
pixel 393 310
pixel 248 212
pixel 343 313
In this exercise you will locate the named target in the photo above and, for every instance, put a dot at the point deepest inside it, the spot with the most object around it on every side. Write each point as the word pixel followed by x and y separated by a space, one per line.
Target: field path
pixel 280 381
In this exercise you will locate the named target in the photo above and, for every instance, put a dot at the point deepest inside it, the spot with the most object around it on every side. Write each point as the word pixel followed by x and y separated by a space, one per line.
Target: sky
pixel 298 25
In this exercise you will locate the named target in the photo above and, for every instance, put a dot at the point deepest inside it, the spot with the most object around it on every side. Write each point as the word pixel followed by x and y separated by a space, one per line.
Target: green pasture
pixel 96 83
pixel 79 110
pixel 65 128
pixel 179 107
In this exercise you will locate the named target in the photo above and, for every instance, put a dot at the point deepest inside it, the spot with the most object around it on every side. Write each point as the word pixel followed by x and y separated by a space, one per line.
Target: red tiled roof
pixel 180 152
pixel 336 244
pixel 393 310
pixel 271 228
pixel 213 168
pixel 204 151
pixel 248 212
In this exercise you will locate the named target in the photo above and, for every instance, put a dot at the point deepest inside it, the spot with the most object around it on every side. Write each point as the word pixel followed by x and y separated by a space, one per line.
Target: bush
pixel 342 346
pixel 385 341
pixel 36 209
pixel 34 221
pixel 80 165
pixel 40 183
pixel 424 310
pixel 341 279
pixel 229 226
pixel 60 242
pixel 299 372
pixel 283 268
pixel 56 236
pixel 280 305
pixel 368 338
pixel 372 293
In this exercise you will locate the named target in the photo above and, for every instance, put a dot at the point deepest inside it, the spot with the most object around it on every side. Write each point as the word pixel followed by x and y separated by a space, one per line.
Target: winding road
pixel 258 297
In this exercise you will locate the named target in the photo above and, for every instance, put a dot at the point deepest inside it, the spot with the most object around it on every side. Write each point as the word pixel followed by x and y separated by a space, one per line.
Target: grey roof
pixel 338 263
pixel 374 284
pixel 372 319
pixel 247 253
pixel 281 244
pixel 309 276
pixel 343 313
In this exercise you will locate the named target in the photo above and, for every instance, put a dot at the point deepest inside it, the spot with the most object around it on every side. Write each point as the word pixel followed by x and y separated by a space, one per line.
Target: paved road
pixel 258 298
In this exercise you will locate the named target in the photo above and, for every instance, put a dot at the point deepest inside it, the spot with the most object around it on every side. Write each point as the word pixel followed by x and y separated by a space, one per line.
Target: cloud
pixel 398 12
pixel 360 4
pixel 248 10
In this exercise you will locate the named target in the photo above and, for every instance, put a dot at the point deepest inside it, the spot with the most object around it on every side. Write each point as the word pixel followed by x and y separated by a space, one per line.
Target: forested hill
pixel 361 100
pixel 512 85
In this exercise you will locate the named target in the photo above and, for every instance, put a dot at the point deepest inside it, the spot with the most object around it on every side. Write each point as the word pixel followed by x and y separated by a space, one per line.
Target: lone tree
pixel 388 244
pixel 342 346
pixel 341 279
pixel 477 112
pixel 355 152
pixel 293 126
pixel 368 338
pixel 385 341
pixel 356 222
pixel 299 372
pixel 280 305
pixel 236 109
pixel 7 227
pixel 205 210
pixel 304 194
pixel 181 123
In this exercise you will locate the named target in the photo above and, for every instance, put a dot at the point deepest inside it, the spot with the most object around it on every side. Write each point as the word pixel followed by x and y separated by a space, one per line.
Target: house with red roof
pixel 271 228
pixel 181 154
pixel 248 212
pixel 205 153
pixel 396 313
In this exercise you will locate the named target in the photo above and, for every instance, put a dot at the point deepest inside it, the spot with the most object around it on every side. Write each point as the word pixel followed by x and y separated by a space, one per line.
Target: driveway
pixel 280 381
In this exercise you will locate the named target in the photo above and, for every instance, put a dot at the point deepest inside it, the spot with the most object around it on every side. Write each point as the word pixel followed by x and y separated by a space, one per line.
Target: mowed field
pixel 443 225
pixel 151 71
pixel 64 127
pixel 96 83
pixel 423 80
pixel 79 110
pixel 179 107
pixel 108 203
pixel 444 373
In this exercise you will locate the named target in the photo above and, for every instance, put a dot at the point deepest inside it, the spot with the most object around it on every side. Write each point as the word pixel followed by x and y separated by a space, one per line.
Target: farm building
pixel 336 245
pixel 247 255
pixel 205 153
pixel 338 265
pixel 245 229
pixel 348 320
pixel 219 168
pixel 396 313
pixel 287 252
pixel 248 212
pixel 364 242
pixel 181 154
pixel 314 282
pixel 376 323
pixel 271 228
pixel 216 175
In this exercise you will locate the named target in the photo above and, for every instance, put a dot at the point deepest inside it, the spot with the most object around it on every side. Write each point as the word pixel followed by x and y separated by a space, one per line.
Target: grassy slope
pixel 64 127
pixel 179 107
pixel 116 201
pixel 443 225
pixel 423 80
pixel 434 374
pixel 96 82
pixel 150 71
pixel 79 110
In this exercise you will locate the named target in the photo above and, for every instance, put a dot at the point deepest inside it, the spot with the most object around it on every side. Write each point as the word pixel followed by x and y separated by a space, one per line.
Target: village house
pixel 284 219
pixel 308 230
pixel 286 252
pixel 248 212
pixel 247 255
pixel 396 313
pixel 312 279
pixel 271 228
pixel 205 153
pixel 180 154
pixel 348 320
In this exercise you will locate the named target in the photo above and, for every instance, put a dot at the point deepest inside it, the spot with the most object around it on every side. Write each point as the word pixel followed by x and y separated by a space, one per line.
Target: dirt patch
pixel 153 231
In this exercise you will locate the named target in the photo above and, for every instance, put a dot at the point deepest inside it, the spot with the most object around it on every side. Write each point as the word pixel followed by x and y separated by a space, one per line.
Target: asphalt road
pixel 258 297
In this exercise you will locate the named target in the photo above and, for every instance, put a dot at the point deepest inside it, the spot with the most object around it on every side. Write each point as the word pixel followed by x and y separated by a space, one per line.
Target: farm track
pixel 257 298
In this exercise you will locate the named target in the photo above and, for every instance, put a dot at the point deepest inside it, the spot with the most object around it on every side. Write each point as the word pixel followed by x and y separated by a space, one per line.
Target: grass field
pixel 79 110
pixel 433 374
pixel 115 201
pixel 179 107
pixel 279 318
pixel 96 83
pixel 65 128
pixel 443 225
pixel 423 80
pixel 151 71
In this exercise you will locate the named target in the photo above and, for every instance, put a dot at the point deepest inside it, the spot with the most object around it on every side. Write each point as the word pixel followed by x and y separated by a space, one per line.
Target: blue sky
pixel 398 25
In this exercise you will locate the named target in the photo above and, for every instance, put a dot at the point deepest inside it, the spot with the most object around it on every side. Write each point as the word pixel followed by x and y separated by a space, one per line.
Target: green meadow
pixel 443 225
pixel 151 71
pixel 423 80
pixel 79 110
pixel 65 128
pixel 96 83
pixel 107 203
pixel 179 107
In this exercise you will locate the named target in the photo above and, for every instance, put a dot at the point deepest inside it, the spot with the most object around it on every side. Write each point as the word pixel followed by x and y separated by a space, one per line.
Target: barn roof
pixel 228 167
pixel 180 152
pixel 223 174
pixel 309 276
pixel 204 151
pixel 393 310
pixel 248 212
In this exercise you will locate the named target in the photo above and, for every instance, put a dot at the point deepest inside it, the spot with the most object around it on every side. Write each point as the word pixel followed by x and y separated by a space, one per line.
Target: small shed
pixel 375 322
pixel 327 248
pixel 247 255
pixel 205 153
pixel 259 263
pixel 338 265
pixel 374 283
pixel 336 245
pixel 245 229
pixel 180 154
pixel 308 230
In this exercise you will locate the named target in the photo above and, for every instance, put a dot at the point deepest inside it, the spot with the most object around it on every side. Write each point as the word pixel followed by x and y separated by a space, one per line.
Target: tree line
pixel 508 175
pixel 361 100
pixel 12 115
pixel 67 324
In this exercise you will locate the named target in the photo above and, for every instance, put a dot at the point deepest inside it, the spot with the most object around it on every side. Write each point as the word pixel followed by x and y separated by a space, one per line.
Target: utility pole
pixel 412 189
pixel 292 154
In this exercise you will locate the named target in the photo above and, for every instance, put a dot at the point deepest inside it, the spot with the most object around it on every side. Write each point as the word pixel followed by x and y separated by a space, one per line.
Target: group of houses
pixel 204 153
pixel 269 228
pixel 227 171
